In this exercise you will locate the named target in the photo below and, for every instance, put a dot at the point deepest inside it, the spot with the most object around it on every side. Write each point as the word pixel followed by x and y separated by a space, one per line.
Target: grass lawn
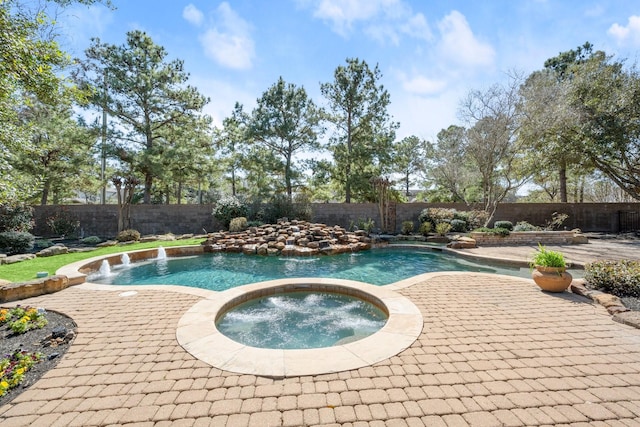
pixel 26 270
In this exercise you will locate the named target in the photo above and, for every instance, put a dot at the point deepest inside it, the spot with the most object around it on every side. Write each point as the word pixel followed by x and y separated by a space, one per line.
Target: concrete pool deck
pixel 493 351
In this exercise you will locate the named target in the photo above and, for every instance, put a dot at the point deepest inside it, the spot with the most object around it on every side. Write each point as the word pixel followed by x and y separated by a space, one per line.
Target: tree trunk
pixel 287 178
pixel 45 192
pixel 233 183
pixel 148 182
pixel 407 186
pixel 179 195
pixel 563 181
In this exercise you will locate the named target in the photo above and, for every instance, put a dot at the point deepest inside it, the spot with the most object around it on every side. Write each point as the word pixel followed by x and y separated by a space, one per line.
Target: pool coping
pixel 196 333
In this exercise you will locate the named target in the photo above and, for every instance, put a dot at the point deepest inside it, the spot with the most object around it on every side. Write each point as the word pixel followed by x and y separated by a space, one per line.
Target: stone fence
pixel 101 220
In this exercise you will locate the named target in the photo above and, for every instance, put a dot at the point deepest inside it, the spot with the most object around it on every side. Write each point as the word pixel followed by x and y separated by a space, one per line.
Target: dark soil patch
pixel 36 340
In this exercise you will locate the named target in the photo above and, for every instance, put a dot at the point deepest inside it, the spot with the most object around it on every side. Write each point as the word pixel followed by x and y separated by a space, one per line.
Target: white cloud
pixel 416 26
pixel 193 15
pixel 383 20
pixel 630 33
pixel 459 44
pixel 421 85
pixel 229 43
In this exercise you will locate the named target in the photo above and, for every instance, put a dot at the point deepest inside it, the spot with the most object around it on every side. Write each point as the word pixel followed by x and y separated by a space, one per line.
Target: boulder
pixel 53 250
pixel 18 258
pixel 462 243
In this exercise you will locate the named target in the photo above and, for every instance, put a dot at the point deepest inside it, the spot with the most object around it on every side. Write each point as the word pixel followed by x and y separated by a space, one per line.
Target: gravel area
pixel 36 340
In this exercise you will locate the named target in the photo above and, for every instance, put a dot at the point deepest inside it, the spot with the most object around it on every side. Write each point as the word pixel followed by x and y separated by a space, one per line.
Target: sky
pixel 431 53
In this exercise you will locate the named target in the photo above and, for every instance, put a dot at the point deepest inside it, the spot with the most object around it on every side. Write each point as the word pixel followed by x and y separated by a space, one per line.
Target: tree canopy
pixel 147 96
pixel 363 132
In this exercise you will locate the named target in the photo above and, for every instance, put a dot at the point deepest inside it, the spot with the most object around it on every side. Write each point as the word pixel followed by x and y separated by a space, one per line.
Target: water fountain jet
pixel 105 269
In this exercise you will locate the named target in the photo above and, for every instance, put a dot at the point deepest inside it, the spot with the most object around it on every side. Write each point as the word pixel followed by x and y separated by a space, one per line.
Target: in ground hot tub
pixel 198 333
pixel 302 319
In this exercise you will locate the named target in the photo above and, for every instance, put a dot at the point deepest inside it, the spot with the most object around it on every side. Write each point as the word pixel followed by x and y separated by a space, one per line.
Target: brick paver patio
pixel 494 351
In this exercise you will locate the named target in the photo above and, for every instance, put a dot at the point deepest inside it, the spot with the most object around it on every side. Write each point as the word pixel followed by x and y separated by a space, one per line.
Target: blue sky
pixel 431 53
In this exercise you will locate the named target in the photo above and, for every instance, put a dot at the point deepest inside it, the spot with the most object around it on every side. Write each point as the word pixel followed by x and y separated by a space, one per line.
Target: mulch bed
pixel 37 340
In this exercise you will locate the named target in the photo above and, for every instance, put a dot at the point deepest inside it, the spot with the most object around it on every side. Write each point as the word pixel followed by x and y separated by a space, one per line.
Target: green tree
pixel 606 97
pixel 409 159
pixel 187 149
pixel 549 124
pixel 30 66
pixel 362 129
pixel 59 144
pixel 232 144
pixel 146 95
pixel 286 121
pixel 449 170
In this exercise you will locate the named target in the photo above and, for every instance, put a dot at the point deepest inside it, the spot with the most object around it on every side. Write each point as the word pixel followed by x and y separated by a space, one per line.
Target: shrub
pixel 365 224
pixel 620 278
pixel 17 217
pixel 43 243
pixel 525 226
pixel 495 231
pixel 458 225
pixel 62 223
pixel 425 228
pixel 407 227
pixel 128 236
pixel 16 242
pixel 557 219
pixel 503 224
pixel 477 218
pixel 279 206
pixel 546 258
pixel 436 215
pixel 238 224
pixel 227 208
pixel 443 228
pixel 91 240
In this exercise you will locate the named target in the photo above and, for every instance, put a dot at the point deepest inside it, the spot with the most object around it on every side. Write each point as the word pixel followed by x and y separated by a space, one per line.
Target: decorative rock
pixel 3 257
pixel 18 258
pixel 58 332
pixel 299 238
pixel 53 250
pixel 249 249
pixel 107 243
pixel 462 243
pixel 631 318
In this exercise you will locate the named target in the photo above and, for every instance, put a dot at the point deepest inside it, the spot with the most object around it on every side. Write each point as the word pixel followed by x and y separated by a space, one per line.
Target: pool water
pixel 223 271
pixel 301 320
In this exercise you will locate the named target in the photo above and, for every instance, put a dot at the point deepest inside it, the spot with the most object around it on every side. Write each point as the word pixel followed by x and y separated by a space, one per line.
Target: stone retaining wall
pixel 528 238
pixel 17 291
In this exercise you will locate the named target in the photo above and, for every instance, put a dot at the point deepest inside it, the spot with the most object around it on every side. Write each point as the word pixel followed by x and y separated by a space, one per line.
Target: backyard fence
pixel 628 221
pixel 102 220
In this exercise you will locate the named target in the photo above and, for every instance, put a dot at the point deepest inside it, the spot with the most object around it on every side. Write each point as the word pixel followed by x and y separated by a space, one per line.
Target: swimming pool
pixel 223 271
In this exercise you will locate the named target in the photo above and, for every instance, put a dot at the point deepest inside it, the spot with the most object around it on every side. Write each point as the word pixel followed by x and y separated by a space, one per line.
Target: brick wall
pixel 101 220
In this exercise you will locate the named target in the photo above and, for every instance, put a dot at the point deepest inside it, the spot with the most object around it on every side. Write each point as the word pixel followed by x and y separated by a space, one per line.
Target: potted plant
pixel 549 270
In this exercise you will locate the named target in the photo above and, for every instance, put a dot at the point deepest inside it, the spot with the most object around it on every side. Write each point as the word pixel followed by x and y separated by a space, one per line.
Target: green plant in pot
pixel 549 270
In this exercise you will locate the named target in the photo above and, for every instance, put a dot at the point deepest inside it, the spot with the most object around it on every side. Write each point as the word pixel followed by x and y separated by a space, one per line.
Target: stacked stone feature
pixel 299 238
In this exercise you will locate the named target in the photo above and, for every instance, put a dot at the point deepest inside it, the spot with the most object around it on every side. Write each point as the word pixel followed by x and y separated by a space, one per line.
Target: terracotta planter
pixel 551 279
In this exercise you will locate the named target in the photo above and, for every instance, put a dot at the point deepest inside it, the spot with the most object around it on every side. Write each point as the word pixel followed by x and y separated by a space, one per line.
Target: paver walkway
pixel 494 351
